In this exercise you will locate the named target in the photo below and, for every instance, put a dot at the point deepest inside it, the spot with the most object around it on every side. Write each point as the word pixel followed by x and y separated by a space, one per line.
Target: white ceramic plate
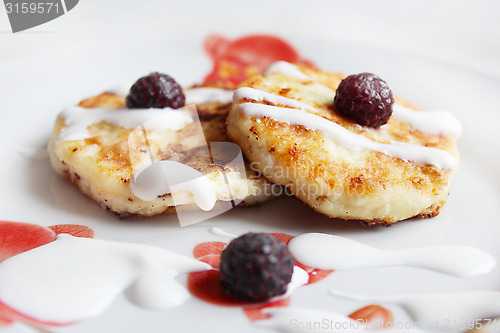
pixel 38 87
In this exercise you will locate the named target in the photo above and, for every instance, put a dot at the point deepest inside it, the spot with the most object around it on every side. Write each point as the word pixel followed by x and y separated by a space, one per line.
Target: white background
pixel 437 54
pixel 461 31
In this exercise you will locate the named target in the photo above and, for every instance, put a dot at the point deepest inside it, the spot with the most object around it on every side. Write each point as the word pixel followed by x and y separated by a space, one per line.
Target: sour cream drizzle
pixel 287 69
pixel 73 278
pixel 325 251
pixel 299 278
pixel 216 231
pixel 78 119
pixel 200 95
pixel 260 95
pixel 435 121
pixel 158 178
pixel 170 177
pixel 340 135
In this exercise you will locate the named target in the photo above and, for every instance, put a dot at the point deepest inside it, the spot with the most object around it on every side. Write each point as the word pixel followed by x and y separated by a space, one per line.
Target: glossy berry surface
pixel 365 98
pixel 255 267
pixel 155 90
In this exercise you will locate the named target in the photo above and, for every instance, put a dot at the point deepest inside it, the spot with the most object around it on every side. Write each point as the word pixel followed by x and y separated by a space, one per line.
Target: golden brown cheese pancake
pixel 287 127
pixel 102 163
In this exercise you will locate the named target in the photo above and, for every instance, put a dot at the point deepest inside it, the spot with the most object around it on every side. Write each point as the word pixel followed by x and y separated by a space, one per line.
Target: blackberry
pixel 155 90
pixel 365 98
pixel 255 267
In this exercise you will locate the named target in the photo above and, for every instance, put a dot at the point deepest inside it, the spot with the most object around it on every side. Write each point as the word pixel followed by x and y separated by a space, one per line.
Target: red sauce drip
pixel 207 248
pixel 16 237
pixel 75 230
pixel 206 286
pixel 374 314
pixel 234 61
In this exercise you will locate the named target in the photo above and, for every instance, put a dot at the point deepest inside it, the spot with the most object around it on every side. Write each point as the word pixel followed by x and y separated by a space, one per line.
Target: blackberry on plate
pixel 256 267
pixel 155 90
pixel 365 98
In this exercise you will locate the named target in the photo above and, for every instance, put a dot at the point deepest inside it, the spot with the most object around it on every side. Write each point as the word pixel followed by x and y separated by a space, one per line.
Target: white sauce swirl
pixel 409 152
pixel 78 119
pixel 435 122
pixel 73 278
pixel 170 177
pixel 325 251
pixel 288 69
pixel 200 95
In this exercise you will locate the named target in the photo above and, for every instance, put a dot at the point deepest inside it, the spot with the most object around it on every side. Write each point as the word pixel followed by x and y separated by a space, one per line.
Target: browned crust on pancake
pixel 113 159
pixel 307 153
